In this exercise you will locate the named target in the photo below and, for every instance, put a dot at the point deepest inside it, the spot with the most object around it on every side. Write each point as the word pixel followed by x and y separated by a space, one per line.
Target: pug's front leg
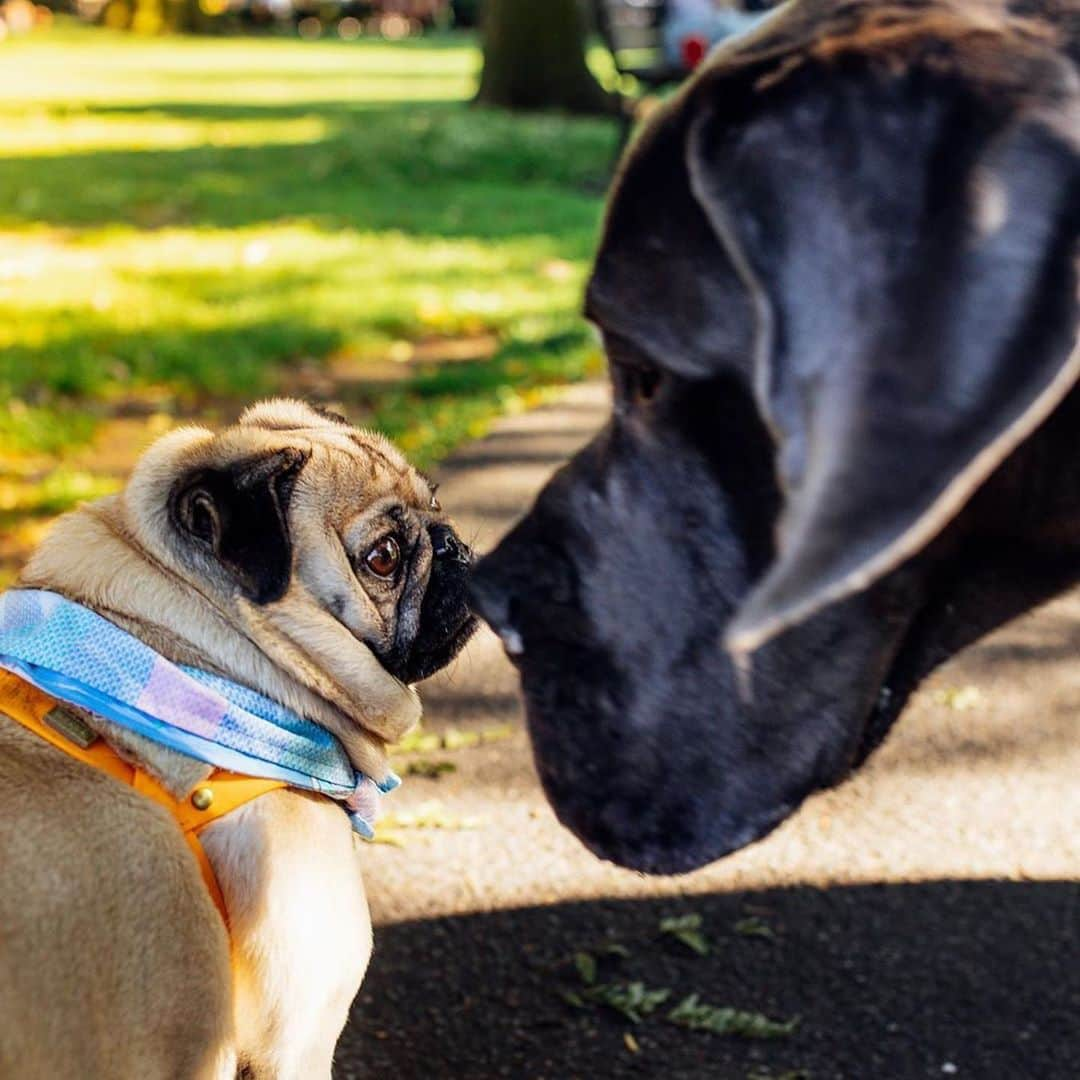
pixel 301 932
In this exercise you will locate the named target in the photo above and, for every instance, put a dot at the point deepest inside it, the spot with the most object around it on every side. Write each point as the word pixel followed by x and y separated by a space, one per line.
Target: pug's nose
pixel 446 545
pixel 497 604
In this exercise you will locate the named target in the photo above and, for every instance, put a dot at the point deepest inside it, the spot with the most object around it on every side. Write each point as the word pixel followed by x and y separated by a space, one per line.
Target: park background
pixel 190 222
pixel 296 203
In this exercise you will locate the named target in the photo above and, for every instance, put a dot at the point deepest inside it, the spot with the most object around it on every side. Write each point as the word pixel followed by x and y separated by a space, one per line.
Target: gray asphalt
pixel 926 914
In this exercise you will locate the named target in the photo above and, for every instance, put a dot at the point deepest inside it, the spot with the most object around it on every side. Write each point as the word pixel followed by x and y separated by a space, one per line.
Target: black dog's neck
pixel 1016 546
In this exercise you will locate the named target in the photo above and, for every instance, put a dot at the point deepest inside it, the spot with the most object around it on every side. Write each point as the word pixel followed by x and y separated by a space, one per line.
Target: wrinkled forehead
pixel 363 462
pixel 355 472
pixel 342 460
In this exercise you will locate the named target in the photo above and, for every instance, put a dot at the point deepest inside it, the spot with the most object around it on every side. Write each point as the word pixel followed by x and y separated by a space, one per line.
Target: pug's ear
pixel 912 263
pixel 239 516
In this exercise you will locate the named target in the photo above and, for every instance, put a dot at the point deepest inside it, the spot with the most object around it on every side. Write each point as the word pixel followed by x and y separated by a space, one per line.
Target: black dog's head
pixel 838 293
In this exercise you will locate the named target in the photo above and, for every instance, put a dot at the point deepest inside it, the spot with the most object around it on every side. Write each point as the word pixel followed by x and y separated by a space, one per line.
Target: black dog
pixel 838 292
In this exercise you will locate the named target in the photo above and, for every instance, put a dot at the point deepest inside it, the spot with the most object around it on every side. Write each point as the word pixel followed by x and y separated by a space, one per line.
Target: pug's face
pixel 314 538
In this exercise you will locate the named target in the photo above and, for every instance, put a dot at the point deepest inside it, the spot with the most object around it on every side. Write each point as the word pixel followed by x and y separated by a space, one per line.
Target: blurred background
pixel 370 203
pixel 390 208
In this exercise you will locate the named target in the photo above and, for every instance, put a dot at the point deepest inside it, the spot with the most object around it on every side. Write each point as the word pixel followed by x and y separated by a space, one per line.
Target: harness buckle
pixel 71 727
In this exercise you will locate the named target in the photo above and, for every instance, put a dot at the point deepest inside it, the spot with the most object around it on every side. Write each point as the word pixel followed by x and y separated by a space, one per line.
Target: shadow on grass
pixel 394 220
pixel 423 168
pixel 90 354
pixel 976 979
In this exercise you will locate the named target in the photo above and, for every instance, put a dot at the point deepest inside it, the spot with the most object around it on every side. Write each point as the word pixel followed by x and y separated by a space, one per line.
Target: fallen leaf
pixel 686 929
pixel 429 770
pixel 694 1014
pixel 430 815
pixel 959 698
pixel 752 926
pixel 585 963
pixel 634 1001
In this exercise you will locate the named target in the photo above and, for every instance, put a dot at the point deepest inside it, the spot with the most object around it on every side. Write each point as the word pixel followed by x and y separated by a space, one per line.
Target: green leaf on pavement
pixel 633 1000
pixel 427 769
pixel 686 929
pixel 694 1014
pixel 585 963
pixel 753 926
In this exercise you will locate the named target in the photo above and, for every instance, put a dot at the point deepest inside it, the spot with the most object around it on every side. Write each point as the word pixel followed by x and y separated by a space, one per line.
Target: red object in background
pixel 694 50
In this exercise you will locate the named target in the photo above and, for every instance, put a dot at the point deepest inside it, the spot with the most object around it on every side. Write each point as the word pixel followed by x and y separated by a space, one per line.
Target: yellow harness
pixel 209 800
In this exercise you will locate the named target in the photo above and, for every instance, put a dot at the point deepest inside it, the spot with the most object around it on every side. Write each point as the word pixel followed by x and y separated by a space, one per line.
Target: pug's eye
pixel 384 558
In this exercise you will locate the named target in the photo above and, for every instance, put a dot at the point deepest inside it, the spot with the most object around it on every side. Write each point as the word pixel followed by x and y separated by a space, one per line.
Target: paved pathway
pixel 926 914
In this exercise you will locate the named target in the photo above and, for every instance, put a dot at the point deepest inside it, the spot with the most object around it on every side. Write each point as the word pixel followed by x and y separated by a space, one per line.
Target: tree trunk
pixel 534 58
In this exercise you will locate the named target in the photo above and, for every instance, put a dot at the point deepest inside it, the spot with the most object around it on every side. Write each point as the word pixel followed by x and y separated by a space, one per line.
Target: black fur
pixel 445 623
pixel 844 436
pixel 239 517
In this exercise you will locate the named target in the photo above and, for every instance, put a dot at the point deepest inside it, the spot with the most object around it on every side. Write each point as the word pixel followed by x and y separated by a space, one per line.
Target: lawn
pixel 186 224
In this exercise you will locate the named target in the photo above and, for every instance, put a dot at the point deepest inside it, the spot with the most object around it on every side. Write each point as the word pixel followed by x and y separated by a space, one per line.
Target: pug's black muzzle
pixel 446 623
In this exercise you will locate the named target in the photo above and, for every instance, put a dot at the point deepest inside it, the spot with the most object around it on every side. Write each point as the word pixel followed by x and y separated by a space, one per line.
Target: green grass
pixel 185 221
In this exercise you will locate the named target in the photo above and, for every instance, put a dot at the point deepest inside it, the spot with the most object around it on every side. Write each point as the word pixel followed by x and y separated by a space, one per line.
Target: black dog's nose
pixel 497 604
pixel 446 545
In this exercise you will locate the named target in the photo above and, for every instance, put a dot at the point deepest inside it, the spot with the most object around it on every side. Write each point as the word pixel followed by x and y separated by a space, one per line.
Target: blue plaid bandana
pixel 72 653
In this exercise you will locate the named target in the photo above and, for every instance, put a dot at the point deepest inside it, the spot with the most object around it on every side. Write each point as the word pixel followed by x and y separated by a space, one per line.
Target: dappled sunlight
pixel 42 476
pixel 41 133
pixel 102 311
pixel 927 807
pixel 189 223
pixel 437 169
pixel 882 828
pixel 259 71
pixel 18 537
pixel 56 490
pixel 186 224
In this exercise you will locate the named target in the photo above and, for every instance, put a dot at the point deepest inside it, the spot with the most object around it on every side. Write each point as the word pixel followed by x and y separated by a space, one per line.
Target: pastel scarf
pixel 72 653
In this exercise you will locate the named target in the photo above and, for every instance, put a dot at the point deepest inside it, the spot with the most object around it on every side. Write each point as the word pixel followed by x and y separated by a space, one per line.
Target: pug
pixel 293 555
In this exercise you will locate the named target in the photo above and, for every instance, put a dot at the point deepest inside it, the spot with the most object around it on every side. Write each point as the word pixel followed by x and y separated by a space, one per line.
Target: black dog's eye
pixel 646 382
pixel 637 384
pixel 384 558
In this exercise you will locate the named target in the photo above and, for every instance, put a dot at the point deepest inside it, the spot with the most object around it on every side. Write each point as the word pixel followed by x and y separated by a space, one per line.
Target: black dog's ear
pixel 911 256
pixel 662 280
pixel 239 516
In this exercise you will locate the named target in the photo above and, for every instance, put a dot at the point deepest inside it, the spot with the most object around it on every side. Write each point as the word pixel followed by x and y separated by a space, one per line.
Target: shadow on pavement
pixel 977 979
